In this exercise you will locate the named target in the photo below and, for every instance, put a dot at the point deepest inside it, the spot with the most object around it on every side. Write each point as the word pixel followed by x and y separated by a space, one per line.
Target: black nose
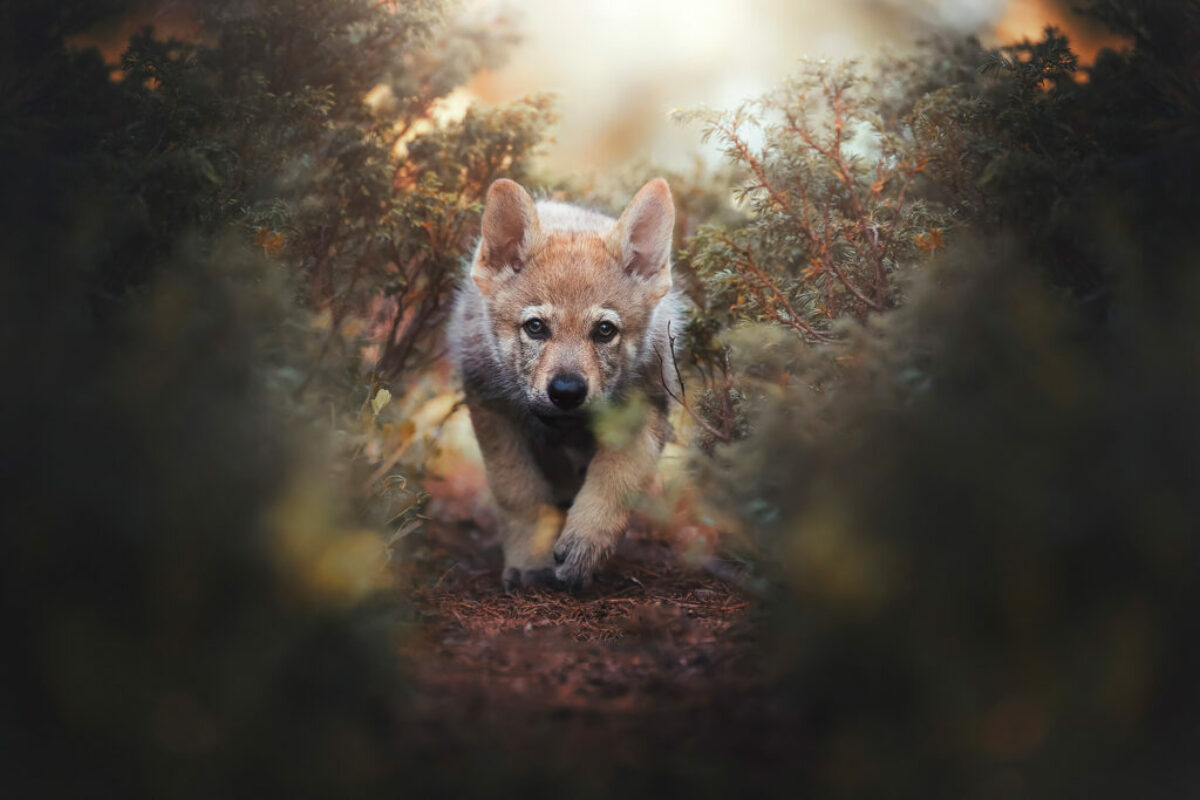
pixel 567 391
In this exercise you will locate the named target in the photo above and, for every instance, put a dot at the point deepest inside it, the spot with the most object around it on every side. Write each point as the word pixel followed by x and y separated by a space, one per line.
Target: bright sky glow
pixel 620 66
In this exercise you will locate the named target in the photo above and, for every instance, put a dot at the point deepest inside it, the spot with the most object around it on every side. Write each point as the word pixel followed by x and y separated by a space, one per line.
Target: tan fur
pixel 572 270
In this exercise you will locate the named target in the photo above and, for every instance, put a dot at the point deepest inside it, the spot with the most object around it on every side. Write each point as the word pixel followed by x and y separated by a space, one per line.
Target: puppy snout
pixel 567 391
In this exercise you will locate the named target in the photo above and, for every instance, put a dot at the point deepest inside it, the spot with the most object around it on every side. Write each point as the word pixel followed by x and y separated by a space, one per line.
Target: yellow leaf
pixel 380 400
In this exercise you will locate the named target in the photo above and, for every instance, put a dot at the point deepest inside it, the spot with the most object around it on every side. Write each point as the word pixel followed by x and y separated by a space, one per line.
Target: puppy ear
pixel 510 226
pixel 643 234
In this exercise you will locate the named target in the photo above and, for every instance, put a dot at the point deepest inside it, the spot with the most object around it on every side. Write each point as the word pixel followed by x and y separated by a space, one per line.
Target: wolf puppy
pixel 563 324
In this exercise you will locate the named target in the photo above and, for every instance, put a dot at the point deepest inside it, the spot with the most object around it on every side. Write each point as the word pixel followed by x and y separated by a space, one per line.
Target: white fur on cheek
pixel 507 344
pixel 630 351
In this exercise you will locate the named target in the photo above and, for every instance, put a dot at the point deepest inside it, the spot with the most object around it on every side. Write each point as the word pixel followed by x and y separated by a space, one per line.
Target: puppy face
pixel 569 309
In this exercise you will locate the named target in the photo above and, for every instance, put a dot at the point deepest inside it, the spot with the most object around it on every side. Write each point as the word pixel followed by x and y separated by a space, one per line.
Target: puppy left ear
pixel 643 234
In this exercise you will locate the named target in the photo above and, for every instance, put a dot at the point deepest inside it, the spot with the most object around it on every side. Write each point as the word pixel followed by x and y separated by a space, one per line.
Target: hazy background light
pixel 620 66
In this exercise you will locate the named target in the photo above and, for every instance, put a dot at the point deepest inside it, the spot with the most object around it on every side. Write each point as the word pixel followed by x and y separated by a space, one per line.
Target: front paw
pixel 578 558
pixel 544 577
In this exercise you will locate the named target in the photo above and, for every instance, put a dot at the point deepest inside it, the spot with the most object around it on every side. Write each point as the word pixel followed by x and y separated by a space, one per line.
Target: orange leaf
pixel 931 241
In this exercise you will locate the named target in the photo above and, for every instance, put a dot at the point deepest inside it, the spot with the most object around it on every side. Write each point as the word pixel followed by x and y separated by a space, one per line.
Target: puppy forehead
pixel 573 275
pixel 574 267
pixel 574 246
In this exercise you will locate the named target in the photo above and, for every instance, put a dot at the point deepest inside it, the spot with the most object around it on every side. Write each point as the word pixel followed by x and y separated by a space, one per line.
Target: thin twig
pixel 718 434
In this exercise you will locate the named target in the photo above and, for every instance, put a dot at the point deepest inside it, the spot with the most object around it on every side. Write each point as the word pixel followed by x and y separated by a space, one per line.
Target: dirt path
pixel 654 653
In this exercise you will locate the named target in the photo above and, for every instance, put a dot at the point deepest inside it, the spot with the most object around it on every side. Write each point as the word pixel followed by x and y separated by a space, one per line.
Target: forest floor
pixel 654 653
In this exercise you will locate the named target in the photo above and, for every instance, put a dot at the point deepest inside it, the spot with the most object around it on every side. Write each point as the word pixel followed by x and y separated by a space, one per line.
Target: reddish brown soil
pixel 654 653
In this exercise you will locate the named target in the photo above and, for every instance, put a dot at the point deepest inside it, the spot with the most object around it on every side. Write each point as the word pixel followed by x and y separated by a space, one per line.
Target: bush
pixel 194 597
pixel 975 507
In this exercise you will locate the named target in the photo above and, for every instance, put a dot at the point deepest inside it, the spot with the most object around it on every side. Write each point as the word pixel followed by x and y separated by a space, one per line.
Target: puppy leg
pixel 597 518
pixel 529 522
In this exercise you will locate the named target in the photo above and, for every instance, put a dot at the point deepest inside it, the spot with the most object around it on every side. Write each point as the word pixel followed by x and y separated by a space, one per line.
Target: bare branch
pixel 681 398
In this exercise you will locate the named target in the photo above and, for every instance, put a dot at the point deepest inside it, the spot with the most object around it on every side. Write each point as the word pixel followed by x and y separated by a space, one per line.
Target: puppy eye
pixel 604 331
pixel 536 329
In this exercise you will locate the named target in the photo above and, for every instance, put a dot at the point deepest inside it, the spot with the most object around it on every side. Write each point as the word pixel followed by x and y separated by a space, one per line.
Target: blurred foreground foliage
pixel 973 483
pixel 220 266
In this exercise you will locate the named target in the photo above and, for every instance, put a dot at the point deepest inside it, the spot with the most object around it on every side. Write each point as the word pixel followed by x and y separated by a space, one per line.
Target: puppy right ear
pixel 510 227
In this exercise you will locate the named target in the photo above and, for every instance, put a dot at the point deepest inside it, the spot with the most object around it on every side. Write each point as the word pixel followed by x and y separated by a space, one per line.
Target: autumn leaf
pixel 380 400
pixel 931 241
pixel 270 241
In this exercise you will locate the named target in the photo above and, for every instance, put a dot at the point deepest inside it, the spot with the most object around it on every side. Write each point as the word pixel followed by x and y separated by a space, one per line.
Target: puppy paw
pixel 578 559
pixel 516 578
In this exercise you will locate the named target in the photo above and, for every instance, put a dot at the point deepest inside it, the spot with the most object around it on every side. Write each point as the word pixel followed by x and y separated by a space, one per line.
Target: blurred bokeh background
pixel 620 68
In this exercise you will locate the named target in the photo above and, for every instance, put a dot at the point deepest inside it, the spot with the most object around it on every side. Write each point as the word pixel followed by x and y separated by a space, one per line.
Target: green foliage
pixel 329 159
pixel 431 225
pixel 196 461
pixel 864 175
pixel 1013 137
pixel 830 192
pixel 312 127
pixel 978 504
pixel 164 637
pixel 838 216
